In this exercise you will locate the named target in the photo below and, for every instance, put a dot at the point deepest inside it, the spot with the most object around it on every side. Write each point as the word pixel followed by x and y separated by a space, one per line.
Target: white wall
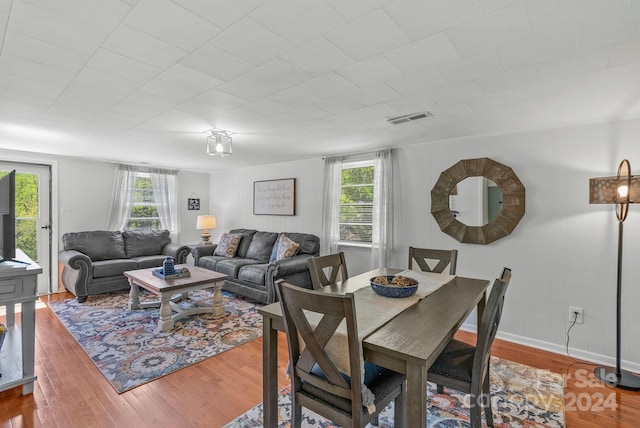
pixel 563 252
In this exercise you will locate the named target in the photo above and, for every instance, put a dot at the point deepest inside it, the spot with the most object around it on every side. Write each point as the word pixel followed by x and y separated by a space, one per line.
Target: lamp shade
pixel 603 190
pixel 206 222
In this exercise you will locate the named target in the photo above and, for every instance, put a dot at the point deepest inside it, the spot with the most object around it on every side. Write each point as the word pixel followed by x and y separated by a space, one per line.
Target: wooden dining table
pixel 409 343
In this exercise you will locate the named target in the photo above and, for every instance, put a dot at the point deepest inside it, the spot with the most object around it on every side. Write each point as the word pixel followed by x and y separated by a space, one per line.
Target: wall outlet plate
pixel 572 314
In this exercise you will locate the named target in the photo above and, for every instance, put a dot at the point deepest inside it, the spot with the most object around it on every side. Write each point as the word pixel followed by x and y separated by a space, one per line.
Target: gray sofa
pixel 251 274
pixel 93 262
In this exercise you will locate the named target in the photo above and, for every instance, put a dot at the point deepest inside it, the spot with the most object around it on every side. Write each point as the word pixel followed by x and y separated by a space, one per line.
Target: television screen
pixel 8 216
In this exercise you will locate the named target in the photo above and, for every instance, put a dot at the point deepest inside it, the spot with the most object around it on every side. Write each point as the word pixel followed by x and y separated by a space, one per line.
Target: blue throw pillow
pixel 274 252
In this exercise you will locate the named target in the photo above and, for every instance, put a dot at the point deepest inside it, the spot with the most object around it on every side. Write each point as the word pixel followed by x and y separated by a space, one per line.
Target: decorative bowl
pixel 396 286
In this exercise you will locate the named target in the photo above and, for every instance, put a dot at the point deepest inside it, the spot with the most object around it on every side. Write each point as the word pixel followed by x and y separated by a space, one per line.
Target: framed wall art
pixel 274 197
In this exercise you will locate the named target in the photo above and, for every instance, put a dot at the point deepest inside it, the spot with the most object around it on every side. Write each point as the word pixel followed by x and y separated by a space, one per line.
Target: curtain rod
pixel 358 154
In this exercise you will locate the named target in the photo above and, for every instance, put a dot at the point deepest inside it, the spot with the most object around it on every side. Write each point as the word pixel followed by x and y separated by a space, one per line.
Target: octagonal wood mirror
pixel 503 223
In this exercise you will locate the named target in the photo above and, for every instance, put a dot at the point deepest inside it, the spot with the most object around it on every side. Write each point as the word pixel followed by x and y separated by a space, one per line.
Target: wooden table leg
pixel 269 373
pixel 134 295
pixel 28 317
pixel 165 323
pixel 416 396
pixel 218 301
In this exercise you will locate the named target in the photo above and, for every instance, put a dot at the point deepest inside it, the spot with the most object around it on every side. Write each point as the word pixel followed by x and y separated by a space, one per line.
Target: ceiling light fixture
pixel 219 142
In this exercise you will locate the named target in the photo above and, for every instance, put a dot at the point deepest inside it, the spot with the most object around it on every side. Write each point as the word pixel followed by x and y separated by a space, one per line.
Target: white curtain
pixel 124 186
pixel 331 205
pixel 164 185
pixel 382 239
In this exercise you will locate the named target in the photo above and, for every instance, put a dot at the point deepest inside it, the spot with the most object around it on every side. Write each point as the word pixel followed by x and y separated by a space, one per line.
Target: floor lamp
pixel 620 190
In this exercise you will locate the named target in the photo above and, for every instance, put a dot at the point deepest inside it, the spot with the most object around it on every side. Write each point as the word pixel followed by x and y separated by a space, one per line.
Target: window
pixel 144 210
pixel 356 202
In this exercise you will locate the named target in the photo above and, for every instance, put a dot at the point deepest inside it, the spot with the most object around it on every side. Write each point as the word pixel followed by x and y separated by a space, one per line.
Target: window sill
pixel 354 244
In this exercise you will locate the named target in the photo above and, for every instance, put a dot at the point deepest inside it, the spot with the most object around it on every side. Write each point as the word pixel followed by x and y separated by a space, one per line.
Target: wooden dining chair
pixel 337 269
pixel 444 258
pixel 465 367
pixel 316 381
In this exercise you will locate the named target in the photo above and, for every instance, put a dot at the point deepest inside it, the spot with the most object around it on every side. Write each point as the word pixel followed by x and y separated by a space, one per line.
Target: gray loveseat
pixel 94 262
pixel 251 274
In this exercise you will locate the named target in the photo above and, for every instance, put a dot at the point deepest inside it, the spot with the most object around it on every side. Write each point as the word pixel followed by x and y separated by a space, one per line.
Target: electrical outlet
pixel 580 314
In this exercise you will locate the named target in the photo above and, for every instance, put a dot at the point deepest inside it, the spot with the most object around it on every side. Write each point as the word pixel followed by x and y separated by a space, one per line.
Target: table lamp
pixel 204 223
pixel 620 190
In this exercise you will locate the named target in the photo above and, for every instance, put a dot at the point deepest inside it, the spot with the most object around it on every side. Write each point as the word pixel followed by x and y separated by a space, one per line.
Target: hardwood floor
pixel 71 392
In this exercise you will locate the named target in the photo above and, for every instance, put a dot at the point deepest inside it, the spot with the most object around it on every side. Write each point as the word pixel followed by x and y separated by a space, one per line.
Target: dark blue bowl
pixel 393 291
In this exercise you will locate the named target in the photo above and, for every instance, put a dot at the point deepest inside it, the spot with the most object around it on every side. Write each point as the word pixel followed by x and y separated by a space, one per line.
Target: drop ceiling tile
pixel 76 114
pixel 490 31
pixel 80 106
pixel 354 9
pixel 540 47
pixel 318 57
pixel 579 63
pixel 455 93
pixel 296 21
pixel 135 111
pixel 247 89
pixel 423 54
pixel 370 71
pixel 493 5
pixel 36 102
pixel 239 115
pixel 22 85
pixel 116 123
pixel 412 104
pixel 251 42
pixel 612 28
pixel 278 74
pixel 328 86
pixel 222 13
pixel 266 107
pixel 545 14
pixel 420 18
pixel 167 91
pixel 417 82
pixel 376 112
pixel 374 94
pixel 133 43
pixel 38 51
pixel 220 99
pixel 167 21
pixel 508 80
pixel 189 78
pixel 625 52
pixel 215 62
pixel 54 29
pixel 298 115
pixel 295 97
pixel 99 79
pixel 368 36
pixel 470 68
pixel 122 66
pixel 339 105
pixel 34 71
pixel 94 95
pixel 5 6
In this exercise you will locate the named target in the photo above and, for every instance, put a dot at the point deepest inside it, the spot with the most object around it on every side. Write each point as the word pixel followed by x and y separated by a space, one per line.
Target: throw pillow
pixel 286 248
pixel 228 245
pixel 274 251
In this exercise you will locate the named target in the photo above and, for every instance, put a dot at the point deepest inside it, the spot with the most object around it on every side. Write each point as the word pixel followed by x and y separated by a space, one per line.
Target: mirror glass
pixel 475 201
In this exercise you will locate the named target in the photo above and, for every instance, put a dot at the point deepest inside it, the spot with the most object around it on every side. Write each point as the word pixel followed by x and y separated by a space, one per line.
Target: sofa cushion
pixel 253 273
pixel 145 242
pixel 232 266
pixel 98 245
pixel 228 244
pixel 261 246
pixel 115 267
pixel 247 236
pixel 210 262
pixel 286 248
pixel 149 261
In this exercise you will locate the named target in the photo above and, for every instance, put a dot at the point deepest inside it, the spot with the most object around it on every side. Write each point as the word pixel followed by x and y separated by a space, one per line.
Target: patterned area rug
pixel 128 350
pixel 522 397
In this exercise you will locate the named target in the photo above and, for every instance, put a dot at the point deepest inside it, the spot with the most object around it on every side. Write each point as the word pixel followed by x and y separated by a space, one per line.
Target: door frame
pixel 53 206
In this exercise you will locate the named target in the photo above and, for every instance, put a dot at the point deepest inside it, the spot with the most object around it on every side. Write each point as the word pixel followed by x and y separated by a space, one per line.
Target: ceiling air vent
pixel 408 117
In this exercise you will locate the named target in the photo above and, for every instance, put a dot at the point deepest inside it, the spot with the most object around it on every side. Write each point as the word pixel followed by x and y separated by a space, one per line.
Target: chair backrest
pixel 337 269
pixel 311 319
pixel 444 257
pixel 489 325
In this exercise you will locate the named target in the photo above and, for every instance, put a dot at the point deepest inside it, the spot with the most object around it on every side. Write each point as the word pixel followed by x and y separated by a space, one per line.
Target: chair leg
pixel 488 411
pixel 296 412
pixel 399 410
pixel 476 412
pixel 440 389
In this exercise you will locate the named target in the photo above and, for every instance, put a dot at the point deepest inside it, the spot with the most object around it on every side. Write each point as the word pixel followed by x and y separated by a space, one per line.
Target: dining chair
pixel 444 258
pixel 316 381
pixel 317 266
pixel 465 367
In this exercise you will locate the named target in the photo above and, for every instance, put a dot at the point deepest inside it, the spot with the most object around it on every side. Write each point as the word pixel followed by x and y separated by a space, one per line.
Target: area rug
pixel 522 397
pixel 129 352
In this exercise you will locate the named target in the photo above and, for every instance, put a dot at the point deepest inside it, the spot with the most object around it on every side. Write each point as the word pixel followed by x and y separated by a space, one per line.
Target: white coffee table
pixel 165 289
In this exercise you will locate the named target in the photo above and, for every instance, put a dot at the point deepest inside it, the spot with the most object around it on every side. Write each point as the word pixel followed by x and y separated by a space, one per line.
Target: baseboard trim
pixel 559 349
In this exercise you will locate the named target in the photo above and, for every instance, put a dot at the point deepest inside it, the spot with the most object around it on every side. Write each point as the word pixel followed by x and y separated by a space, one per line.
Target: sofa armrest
pixel 289 266
pixel 76 272
pixel 177 251
pixel 201 251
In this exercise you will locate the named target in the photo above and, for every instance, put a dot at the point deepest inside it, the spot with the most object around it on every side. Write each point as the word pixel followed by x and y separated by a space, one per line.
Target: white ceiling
pixel 142 80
